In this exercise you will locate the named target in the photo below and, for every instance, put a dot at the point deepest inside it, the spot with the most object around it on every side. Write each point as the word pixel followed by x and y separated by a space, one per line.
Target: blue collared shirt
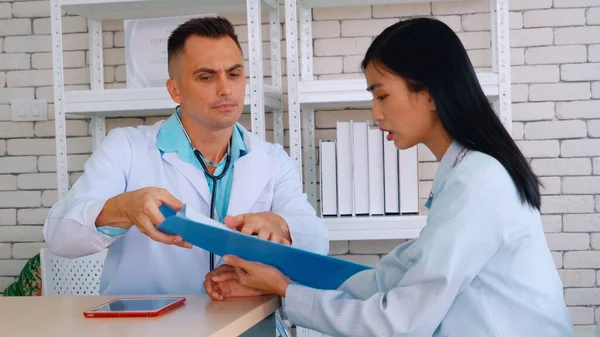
pixel 171 138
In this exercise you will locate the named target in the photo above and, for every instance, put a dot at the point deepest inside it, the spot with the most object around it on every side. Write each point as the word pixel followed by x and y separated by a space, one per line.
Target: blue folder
pixel 307 268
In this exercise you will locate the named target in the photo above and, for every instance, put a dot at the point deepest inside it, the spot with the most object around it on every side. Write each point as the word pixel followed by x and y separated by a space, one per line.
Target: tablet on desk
pixel 135 307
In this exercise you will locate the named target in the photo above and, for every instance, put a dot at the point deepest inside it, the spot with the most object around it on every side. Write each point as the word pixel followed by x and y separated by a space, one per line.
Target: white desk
pixel 199 316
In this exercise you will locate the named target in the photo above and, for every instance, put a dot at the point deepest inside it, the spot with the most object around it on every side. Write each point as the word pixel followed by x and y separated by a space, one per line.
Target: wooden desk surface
pixel 63 317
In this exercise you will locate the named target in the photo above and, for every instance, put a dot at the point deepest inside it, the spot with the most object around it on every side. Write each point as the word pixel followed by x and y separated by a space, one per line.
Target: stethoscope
pixel 214 178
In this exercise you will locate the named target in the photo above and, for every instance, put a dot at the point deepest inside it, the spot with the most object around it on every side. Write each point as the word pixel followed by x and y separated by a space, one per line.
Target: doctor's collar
pixel 178 116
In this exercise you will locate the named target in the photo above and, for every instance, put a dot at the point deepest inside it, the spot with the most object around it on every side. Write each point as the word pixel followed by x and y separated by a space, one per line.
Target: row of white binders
pixel 364 174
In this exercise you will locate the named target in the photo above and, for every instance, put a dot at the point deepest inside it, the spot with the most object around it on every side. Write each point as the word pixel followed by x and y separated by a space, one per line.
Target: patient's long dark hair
pixel 430 56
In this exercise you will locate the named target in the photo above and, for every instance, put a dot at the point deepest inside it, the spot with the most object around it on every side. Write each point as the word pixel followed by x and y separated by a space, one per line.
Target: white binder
pixel 409 180
pixel 328 177
pixel 376 193
pixel 390 174
pixel 360 155
pixel 345 189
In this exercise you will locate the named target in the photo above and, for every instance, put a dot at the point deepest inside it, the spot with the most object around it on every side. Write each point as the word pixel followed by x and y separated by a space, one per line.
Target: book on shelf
pixel 376 193
pixel 391 178
pixel 409 180
pixel 328 177
pixel 345 187
pixel 360 167
pixel 363 174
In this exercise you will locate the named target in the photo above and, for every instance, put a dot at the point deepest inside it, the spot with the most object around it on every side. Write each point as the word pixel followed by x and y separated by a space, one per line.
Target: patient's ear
pixel 431 102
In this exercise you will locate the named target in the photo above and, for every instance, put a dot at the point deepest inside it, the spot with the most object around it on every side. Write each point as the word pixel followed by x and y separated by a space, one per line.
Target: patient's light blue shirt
pixel 480 268
pixel 171 138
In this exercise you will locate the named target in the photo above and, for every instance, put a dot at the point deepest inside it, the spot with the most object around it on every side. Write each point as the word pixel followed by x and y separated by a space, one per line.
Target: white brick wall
pixel 562 167
pixel 593 16
pixel 582 222
pixel 580 147
pixel 594 53
pixel 559 91
pixel 578 109
pixel 556 54
pixel 531 37
pixel 15 61
pixel 5 11
pixel 15 27
pixel 577 35
pixel 32 9
pixel 554 17
pixel 540 148
pixel 535 74
pixel 580 72
pixel 555 130
pixel 556 112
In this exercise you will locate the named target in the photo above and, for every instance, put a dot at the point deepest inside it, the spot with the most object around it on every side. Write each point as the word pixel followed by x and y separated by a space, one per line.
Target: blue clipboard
pixel 305 267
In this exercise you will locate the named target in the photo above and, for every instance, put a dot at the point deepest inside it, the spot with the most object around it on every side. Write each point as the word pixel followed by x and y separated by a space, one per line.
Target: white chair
pixel 71 277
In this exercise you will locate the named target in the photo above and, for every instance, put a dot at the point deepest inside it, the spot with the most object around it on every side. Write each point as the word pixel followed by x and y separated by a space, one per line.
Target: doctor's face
pixel 209 82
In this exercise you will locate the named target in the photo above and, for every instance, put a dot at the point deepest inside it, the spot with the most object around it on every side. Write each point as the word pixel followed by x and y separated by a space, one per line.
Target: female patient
pixel 481 265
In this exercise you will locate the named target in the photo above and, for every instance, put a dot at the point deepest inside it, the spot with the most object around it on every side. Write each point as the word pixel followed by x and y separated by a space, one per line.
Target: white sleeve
pixel 427 275
pixel 307 231
pixel 70 229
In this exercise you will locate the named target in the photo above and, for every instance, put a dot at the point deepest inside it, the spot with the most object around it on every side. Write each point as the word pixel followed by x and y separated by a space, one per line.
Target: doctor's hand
pixel 253 275
pixel 229 287
pixel 266 225
pixel 141 208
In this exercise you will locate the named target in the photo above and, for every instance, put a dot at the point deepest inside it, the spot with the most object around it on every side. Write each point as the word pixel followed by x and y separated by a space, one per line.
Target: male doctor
pixel 199 157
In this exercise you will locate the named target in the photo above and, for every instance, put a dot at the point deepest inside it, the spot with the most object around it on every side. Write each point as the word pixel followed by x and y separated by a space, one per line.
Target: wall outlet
pixel 27 110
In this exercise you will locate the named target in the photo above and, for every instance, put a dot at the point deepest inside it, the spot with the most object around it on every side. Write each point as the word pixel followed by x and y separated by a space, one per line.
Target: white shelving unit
pixel 306 94
pixel 99 103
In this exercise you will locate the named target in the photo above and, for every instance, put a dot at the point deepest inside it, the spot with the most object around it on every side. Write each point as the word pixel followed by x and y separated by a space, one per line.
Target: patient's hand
pixel 230 287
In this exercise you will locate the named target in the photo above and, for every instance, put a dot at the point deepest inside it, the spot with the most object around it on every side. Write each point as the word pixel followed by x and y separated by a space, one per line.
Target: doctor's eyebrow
pixel 213 71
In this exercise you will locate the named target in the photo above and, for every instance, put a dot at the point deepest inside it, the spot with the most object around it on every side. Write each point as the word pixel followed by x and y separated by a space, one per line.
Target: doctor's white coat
pixel 265 179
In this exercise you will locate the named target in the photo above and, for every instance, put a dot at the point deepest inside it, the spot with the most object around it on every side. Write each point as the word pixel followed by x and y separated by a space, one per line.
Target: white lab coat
pixel 265 179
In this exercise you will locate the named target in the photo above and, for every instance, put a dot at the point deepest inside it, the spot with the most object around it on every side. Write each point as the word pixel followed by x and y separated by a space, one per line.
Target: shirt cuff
pixel 111 231
pixel 90 213
pixel 298 304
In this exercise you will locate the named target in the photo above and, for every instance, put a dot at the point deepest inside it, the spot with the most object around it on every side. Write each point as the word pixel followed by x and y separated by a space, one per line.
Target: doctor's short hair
pixel 213 27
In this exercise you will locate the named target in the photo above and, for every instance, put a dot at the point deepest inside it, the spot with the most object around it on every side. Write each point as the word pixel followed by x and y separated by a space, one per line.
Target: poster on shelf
pixel 146 49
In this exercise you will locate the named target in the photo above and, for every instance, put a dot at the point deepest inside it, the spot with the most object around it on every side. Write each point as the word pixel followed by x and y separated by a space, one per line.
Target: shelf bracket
pixel 257 98
pixel 291 38
pixel 501 59
pixel 98 126
pixel 275 25
pixel 308 114
pixel 62 175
